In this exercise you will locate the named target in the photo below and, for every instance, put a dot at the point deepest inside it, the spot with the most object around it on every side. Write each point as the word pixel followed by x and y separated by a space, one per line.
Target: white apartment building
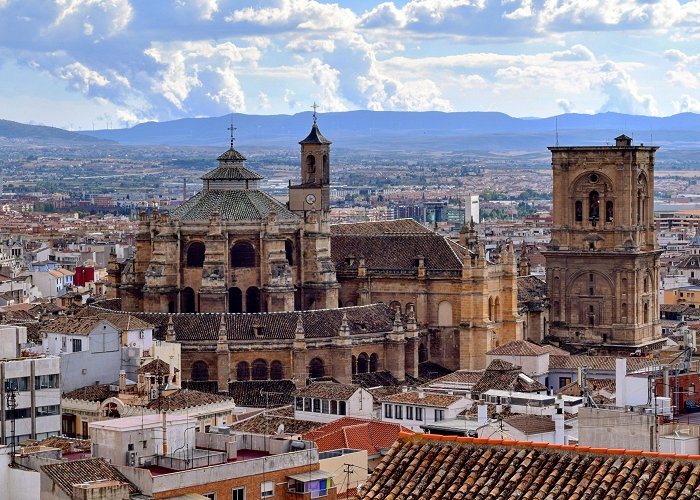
pixel 34 380
pixel 413 409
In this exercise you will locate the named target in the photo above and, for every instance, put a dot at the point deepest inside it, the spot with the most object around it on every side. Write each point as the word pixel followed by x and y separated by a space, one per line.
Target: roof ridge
pixel 404 436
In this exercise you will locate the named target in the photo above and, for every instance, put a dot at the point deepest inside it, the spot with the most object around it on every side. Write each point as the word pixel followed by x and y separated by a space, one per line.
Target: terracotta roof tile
pixel 72 325
pixel 241 205
pixel 606 363
pixel 154 367
pixel 262 393
pixel 268 422
pixel 91 393
pixel 66 474
pixel 328 390
pixel 504 376
pixel 418 467
pixel 518 348
pixel 355 433
pixel 185 398
pixel 428 399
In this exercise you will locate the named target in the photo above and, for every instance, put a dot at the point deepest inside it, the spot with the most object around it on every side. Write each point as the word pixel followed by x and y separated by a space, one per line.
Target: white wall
pixel 17 484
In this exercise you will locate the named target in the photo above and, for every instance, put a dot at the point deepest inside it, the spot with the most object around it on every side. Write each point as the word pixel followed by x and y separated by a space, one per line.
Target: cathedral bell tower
pixel 313 193
pixel 311 201
pixel 603 260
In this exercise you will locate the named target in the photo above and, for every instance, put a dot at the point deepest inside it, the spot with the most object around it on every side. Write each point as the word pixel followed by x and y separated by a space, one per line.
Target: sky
pixel 83 64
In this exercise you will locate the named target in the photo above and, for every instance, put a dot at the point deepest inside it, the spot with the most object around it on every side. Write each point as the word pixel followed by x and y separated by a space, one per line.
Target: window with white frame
pixel 267 489
pixel 419 413
pixel 409 413
pixel 210 496
pixel 238 493
pixel 387 411
pixel 439 415
pixel 398 412
pixel 77 345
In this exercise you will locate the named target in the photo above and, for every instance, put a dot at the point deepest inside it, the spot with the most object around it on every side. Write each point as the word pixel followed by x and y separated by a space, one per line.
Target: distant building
pixel 327 401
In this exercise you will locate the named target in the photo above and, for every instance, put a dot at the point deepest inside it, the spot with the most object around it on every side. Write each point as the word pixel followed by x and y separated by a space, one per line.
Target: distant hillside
pixel 419 131
pixel 40 133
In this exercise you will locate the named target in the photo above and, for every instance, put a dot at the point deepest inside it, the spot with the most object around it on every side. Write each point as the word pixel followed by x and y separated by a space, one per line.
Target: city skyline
pixel 110 63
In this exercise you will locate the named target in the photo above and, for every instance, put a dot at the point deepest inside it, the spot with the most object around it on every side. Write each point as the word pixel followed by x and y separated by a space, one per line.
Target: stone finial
pixel 344 326
pixel 222 342
pixel 256 327
pixel 398 324
pixel 421 266
pixel 361 266
pixel 411 323
pixel 170 332
pixel 215 223
pixel 299 331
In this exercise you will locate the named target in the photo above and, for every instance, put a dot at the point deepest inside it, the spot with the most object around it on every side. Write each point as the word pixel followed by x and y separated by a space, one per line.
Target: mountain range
pixel 396 131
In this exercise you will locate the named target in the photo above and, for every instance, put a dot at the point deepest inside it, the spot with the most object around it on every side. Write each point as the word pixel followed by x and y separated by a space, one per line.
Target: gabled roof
pixel 185 398
pixel 504 376
pixel 531 424
pixel 605 363
pixel 91 393
pixel 518 348
pixel 66 474
pixel 154 367
pixel 424 466
pixel 262 393
pixel 328 390
pixel 423 398
pixel 396 226
pixel 73 325
pixel 356 434
pixel 124 322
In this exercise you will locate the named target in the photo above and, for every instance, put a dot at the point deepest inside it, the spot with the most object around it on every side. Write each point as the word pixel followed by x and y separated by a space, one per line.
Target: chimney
pixel 558 417
pixel 482 414
pixel 122 381
pixel 666 388
pixel 404 389
pixel 421 393
pixel 620 387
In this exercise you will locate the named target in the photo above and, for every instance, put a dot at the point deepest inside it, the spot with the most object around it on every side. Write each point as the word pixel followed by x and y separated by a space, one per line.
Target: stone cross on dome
pixel 232 129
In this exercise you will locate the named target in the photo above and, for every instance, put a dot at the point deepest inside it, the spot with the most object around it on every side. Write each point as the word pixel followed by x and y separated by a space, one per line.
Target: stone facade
pixel 310 292
pixel 603 260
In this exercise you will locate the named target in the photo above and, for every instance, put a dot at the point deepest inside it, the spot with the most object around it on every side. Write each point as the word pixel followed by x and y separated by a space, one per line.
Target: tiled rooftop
pixel 355 433
pixel 91 393
pixel 518 348
pixel 125 322
pixel 504 376
pixel 155 367
pixel 427 399
pixel 262 393
pixel 185 398
pixel 239 206
pixel 66 474
pixel 606 363
pixel 72 325
pixel 418 467
pixel 319 323
pixel 270 420
pixel 328 390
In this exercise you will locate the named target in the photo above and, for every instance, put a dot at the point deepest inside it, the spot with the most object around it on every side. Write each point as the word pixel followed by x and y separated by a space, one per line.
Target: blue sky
pixel 80 64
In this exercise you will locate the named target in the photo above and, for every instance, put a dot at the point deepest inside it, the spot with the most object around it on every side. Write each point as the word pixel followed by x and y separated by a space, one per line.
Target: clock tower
pixel 313 193
pixel 311 200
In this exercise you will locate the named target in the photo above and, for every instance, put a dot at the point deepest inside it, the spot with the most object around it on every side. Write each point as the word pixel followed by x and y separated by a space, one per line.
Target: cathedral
pixel 255 289
pixel 603 259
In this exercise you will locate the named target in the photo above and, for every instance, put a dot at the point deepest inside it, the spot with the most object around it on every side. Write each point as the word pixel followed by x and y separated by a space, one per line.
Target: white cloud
pixel 328 83
pixel 622 94
pixel 302 44
pixel 81 77
pixel 565 105
pixel 263 101
pixel 302 14
pixel 687 104
pixel 420 95
pixel 114 15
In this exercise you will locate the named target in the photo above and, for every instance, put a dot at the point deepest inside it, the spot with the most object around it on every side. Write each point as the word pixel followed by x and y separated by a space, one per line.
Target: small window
pixel 341 407
pixel 267 489
pixel 317 405
pixel 238 493
pixel 145 444
pixel 299 404
pixel 439 415
pixel 387 411
pixel 77 345
pixel 324 406
pixel 130 447
pixel 579 211
pixel 419 413
pixel 210 496
pixel 398 412
pixel 409 413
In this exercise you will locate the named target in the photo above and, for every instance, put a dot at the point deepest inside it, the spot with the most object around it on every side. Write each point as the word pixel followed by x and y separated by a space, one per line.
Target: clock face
pixel 310 199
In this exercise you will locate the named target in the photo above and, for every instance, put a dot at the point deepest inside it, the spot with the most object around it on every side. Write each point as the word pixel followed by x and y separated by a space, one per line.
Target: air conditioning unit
pixel 131 458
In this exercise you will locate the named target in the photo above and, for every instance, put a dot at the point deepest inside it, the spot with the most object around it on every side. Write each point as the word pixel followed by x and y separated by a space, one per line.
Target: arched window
pixel 316 368
pixel 373 363
pixel 422 353
pixel 259 370
pixel 444 313
pixel 497 309
pixel 490 308
pixel 646 284
pixel 593 207
pixel 195 254
pixel 252 300
pixel 289 252
pixel 326 169
pixel 353 368
pixel 578 210
pixel 242 371
pixel 591 315
pixel 363 363
pixel 235 300
pixel 276 370
pixel 188 300
pixel 646 312
pixel 310 166
pixel 200 371
pixel 242 255
pixel 609 211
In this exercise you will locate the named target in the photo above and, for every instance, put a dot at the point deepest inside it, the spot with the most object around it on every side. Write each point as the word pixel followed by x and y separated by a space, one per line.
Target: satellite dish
pixel 280 429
